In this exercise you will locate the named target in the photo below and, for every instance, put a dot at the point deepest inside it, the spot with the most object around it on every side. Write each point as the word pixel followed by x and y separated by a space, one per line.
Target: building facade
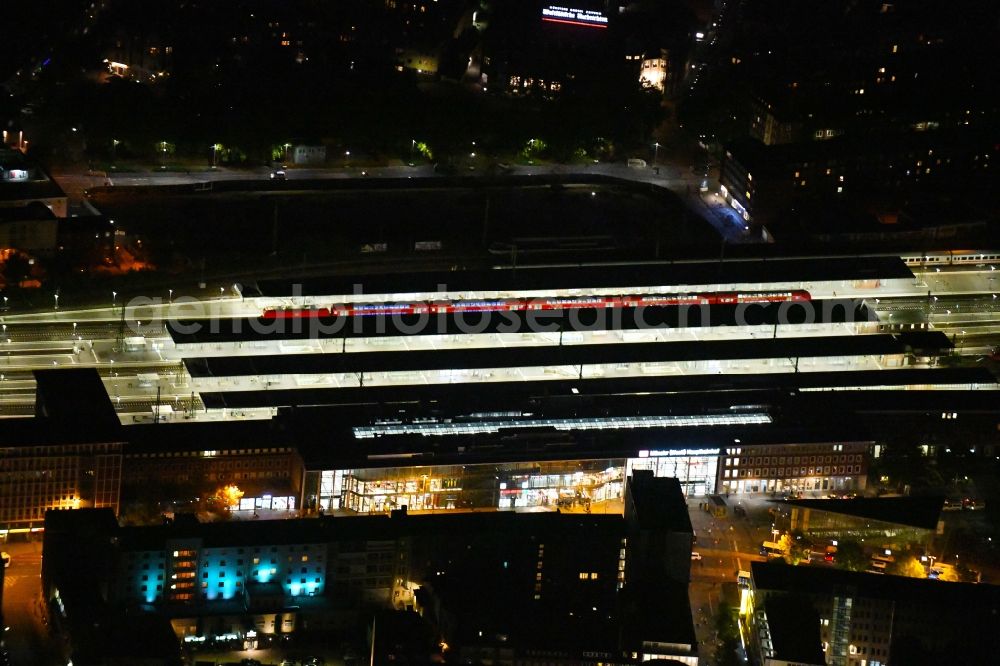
pixel 873 620
pixel 269 476
pixel 781 468
pixel 38 478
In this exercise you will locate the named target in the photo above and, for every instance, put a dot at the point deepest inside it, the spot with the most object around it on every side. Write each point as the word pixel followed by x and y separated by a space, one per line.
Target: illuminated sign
pixel 676 453
pixel 572 16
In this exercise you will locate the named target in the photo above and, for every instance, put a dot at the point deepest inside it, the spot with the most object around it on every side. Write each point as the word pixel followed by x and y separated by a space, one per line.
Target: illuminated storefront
pixel 550 485
pixel 554 485
pixel 696 469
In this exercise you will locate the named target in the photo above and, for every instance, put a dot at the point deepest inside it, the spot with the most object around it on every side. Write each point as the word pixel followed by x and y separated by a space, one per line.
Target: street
pixel 726 545
pixel 27 637
pixel 675 177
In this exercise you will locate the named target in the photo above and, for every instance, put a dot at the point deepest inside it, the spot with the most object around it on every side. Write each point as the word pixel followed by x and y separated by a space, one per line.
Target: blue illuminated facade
pixel 144 573
pixel 187 572
pixel 216 579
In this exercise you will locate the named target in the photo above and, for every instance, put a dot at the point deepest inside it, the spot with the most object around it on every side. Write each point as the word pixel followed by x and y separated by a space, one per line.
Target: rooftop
pixel 73 399
pixel 794 627
pixel 966 598
pixel 587 354
pixel 922 512
pixel 511 393
pixel 659 503
pixel 329 528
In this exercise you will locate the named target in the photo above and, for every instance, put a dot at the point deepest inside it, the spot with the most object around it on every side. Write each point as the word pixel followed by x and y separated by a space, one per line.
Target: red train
pixel 528 304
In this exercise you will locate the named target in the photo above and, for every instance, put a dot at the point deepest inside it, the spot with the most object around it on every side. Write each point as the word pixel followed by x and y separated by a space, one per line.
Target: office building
pixel 872 619
pixel 67 457
pixel 778 468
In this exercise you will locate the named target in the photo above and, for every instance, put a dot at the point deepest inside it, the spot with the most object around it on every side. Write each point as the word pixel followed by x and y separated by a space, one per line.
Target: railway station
pixel 583 362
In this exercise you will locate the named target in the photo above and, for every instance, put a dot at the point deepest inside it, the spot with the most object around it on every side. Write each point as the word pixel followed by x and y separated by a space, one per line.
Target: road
pixel 726 545
pixel 28 638
pixel 673 176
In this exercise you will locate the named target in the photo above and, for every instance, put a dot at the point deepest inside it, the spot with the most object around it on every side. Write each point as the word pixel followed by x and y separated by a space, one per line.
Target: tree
pixel 728 634
pixel 851 556
pixel 15 269
pixel 798 552
pixel 909 566
pixel 230 495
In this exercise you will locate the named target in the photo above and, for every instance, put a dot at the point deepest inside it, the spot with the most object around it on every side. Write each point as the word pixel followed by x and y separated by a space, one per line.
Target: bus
pixel 771 550
pixel 743 579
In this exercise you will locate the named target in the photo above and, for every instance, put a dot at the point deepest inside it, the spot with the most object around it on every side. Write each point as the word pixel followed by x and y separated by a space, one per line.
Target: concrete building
pixel 659 529
pixel 69 456
pixel 653 71
pixel 872 619
pixel 784 468
pixel 197 459
pixel 241 580
pixel 23 183
pixel 33 229
pixel 308 155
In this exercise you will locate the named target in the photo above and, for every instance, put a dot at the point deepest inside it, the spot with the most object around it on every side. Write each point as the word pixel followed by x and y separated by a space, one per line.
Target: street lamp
pixel 170 295
pixel 114 295
pixel 656 152
pixel 56 295
pixel 216 147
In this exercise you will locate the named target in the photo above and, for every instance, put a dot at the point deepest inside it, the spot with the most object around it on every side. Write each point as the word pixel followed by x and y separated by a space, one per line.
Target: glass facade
pixel 570 485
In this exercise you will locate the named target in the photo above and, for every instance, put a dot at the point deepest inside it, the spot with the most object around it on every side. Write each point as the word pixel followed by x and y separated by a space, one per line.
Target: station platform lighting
pixel 612 423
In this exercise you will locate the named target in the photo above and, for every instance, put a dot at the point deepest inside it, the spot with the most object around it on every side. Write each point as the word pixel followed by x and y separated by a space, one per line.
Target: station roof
pixel 658 352
pixel 505 395
pixel 578 319
pixel 677 273
pixel 922 512
pixel 325 438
